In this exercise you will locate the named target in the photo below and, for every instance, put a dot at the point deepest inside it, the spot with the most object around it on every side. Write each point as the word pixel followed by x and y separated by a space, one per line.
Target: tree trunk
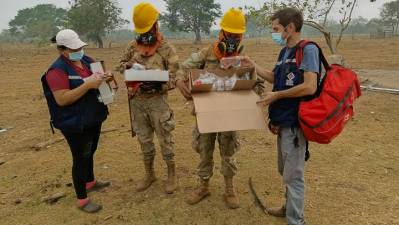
pixel 99 40
pixel 197 36
pixel 330 44
pixel 327 35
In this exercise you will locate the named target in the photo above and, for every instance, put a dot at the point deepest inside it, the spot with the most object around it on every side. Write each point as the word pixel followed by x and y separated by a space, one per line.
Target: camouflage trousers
pixel 151 115
pixel 204 145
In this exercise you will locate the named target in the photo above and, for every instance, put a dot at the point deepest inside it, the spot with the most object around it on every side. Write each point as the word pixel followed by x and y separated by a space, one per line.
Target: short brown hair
pixel 287 16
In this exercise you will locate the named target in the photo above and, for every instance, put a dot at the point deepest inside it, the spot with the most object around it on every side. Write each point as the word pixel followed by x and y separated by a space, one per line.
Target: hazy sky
pixel 9 8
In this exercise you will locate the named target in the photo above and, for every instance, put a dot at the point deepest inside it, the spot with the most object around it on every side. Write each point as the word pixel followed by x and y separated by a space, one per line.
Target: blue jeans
pixel 291 147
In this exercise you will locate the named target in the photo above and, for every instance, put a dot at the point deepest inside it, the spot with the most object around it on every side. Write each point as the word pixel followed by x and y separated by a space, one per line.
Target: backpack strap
pixel 300 49
pixel 299 58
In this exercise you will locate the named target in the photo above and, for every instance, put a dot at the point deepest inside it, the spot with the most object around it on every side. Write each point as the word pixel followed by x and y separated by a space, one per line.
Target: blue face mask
pixel 278 39
pixel 76 56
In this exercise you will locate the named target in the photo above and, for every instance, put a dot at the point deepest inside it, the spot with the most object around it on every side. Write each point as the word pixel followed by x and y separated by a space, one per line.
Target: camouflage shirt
pixel 203 59
pixel 165 58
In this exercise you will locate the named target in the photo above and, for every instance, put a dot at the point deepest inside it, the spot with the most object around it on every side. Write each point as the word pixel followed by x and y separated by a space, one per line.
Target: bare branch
pixel 344 24
pixel 315 25
pixel 327 13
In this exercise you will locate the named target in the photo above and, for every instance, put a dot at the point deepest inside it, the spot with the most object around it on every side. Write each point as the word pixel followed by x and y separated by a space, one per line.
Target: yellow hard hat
pixel 144 17
pixel 233 21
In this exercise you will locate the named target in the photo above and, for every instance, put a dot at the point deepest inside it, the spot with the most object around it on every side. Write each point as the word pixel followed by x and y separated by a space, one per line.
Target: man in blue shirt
pixel 291 83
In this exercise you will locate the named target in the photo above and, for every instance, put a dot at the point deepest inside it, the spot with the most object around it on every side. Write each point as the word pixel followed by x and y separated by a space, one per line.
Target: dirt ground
pixel 354 180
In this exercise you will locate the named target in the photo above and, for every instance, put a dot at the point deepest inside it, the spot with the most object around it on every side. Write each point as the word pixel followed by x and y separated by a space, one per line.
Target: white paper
pixel 106 92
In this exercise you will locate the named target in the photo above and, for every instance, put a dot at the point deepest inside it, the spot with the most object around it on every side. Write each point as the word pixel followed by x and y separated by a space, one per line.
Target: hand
pixel 269 98
pixel 246 61
pixel 128 65
pixel 109 76
pixel 274 129
pixel 130 92
pixel 183 89
pixel 94 81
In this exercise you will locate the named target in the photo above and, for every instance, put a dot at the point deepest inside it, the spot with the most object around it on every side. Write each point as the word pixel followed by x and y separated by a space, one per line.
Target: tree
pixel 316 14
pixel 261 17
pixel 95 18
pixel 191 16
pixel 358 26
pixel 376 24
pixel 41 21
pixel 390 15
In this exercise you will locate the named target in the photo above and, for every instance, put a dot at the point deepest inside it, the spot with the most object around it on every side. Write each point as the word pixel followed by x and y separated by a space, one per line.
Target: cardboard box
pixel 146 75
pixel 227 110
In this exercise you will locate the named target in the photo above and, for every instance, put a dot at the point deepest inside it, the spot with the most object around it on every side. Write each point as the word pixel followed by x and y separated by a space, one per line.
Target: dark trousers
pixel 83 146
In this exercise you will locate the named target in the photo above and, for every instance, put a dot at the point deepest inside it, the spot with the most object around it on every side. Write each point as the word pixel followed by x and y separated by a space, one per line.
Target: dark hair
pixel 54 41
pixel 287 16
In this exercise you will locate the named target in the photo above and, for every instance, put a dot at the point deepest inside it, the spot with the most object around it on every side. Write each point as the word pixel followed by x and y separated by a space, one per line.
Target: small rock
pixel 53 198
pixel 17 201
pixel 68 184
pixel 2 162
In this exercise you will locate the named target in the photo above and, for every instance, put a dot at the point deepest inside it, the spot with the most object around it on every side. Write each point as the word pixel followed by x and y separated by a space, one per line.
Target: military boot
pixel 200 193
pixel 170 184
pixel 230 197
pixel 149 176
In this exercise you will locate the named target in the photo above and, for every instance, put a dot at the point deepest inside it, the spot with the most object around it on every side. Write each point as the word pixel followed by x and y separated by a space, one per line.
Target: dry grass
pixel 354 180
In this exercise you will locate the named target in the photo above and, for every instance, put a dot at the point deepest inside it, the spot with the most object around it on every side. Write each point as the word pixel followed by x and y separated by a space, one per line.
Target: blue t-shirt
pixel 310 61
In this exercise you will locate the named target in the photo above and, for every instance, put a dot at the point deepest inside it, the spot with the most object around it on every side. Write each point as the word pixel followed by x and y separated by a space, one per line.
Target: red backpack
pixel 324 116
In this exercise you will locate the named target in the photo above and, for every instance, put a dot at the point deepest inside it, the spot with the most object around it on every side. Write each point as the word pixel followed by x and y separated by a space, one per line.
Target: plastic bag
pixel 220 83
pixel 230 83
pixel 205 78
pixel 230 62
pixel 137 66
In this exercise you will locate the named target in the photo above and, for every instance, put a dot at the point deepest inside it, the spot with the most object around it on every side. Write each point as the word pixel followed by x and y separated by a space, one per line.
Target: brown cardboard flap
pixel 244 85
pixel 228 111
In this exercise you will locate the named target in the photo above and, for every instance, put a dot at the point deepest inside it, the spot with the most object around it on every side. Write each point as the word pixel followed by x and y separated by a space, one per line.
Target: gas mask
pixel 230 45
pixel 148 38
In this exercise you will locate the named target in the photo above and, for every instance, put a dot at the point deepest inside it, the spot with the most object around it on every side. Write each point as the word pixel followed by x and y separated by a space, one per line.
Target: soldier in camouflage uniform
pixel 150 111
pixel 233 27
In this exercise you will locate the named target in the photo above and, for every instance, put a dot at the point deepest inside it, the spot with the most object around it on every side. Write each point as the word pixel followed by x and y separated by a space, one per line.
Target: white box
pixel 146 75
